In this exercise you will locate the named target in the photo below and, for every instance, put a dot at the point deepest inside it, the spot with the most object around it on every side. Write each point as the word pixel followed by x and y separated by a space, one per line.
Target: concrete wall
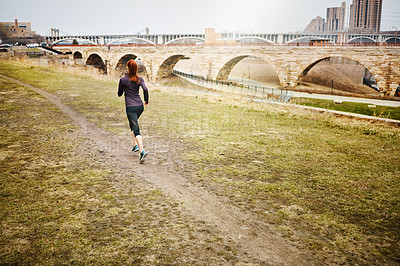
pixel 288 62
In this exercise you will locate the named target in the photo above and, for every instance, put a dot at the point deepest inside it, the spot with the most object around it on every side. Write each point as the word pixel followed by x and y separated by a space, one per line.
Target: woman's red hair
pixel 132 71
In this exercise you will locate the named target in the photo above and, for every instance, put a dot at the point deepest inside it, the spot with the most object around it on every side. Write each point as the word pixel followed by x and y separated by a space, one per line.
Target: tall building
pixel 18 29
pixel 335 18
pixel 365 16
pixel 335 21
pixel 317 25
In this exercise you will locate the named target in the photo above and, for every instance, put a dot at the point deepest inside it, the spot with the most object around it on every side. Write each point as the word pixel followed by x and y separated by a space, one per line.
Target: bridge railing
pixel 284 95
pixel 233 45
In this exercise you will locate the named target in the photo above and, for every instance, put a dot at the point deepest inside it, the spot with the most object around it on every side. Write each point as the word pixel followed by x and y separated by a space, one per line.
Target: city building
pixel 317 25
pixel 335 18
pixel 19 29
pixel 365 16
pixel 335 21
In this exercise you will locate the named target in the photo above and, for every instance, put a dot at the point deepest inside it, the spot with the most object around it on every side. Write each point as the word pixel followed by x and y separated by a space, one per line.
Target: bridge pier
pixel 389 78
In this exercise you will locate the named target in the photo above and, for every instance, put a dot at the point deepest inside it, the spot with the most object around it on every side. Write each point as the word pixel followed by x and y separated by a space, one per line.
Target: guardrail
pixel 284 95
pixel 50 49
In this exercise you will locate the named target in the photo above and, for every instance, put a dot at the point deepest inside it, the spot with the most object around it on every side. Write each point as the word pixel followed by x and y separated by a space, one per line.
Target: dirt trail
pixel 251 236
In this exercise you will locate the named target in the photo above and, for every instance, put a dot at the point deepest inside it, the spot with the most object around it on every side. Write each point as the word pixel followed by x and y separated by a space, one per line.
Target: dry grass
pixel 317 177
pixel 64 201
pixel 330 184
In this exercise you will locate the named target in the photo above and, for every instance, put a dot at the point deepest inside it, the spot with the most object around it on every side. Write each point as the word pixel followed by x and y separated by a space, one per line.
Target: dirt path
pixel 251 236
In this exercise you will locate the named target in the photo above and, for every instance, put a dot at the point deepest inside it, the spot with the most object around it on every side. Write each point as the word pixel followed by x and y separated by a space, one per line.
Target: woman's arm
pixel 145 91
pixel 120 89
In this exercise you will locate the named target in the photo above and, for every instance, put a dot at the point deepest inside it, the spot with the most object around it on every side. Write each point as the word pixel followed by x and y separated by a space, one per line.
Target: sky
pixel 85 17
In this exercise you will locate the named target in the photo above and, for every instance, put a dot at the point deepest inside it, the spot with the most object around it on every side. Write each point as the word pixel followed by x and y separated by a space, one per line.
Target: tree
pixel 75 42
pixel 38 38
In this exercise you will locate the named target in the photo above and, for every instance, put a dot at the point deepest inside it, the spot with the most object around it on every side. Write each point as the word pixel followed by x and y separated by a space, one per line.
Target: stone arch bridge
pixel 290 63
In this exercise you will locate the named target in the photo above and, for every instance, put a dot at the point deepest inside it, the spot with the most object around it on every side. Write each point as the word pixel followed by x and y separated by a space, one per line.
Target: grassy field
pixel 62 201
pixel 330 184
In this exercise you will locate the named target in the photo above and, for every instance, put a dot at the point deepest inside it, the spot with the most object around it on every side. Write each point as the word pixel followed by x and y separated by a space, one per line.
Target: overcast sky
pixel 176 16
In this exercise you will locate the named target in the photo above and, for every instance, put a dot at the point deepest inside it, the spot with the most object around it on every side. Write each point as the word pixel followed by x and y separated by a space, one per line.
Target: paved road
pixel 326 96
pixel 347 99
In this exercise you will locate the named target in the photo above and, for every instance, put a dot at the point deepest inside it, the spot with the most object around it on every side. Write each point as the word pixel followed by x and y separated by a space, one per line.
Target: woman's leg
pixel 133 116
pixel 137 138
pixel 139 142
pixel 134 139
pixel 135 145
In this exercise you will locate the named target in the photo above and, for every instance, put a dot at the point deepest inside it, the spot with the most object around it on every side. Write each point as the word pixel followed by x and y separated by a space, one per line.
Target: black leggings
pixel 133 113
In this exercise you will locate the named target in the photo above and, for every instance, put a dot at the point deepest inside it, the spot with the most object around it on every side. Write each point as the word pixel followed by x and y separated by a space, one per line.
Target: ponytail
pixel 132 71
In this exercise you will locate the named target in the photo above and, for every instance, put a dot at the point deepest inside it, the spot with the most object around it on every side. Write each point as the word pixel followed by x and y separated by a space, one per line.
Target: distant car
pixel 5 47
pixel 32 45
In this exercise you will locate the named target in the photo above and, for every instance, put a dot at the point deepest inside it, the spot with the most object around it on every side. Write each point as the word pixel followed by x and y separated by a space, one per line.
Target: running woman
pixel 130 84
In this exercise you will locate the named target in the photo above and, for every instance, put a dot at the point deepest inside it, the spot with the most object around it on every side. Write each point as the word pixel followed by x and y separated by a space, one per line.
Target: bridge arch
pixel 78 58
pixel 361 39
pixel 96 61
pixel 308 68
pixel 168 65
pixel 133 39
pixel 121 65
pixel 120 68
pixel 78 55
pixel 249 38
pixel 224 72
pixel 177 40
pixel 80 41
pixel 392 40
pixel 368 77
pixel 264 68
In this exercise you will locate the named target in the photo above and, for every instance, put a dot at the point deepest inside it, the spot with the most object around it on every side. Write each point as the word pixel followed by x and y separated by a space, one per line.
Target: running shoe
pixel 135 148
pixel 142 156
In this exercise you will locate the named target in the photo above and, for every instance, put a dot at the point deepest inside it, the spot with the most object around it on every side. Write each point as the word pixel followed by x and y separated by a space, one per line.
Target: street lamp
pixel 395 35
pixel 249 71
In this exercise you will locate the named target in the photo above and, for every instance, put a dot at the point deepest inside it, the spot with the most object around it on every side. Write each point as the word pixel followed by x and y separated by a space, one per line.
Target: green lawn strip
pixel 330 183
pixel 64 205
pixel 350 107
